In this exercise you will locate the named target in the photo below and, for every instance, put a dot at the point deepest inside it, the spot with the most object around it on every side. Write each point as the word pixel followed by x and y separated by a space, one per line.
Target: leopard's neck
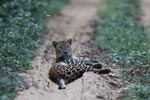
pixel 60 59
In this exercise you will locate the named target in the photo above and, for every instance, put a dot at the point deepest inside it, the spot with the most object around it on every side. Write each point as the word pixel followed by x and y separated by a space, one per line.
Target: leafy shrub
pixel 21 24
pixel 138 92
pixel 120 31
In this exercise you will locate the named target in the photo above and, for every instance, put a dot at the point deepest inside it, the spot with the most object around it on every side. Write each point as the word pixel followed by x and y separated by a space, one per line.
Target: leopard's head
pixel 63 49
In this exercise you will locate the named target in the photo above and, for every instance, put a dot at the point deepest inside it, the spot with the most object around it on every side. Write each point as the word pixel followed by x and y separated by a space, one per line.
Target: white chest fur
pixel 63 64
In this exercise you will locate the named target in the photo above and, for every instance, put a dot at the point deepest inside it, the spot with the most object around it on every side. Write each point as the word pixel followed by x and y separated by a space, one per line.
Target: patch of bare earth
pixel 76 21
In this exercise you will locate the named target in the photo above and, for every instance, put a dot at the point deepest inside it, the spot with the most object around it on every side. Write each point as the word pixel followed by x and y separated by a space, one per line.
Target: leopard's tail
pixel 97 68
pixel 102 71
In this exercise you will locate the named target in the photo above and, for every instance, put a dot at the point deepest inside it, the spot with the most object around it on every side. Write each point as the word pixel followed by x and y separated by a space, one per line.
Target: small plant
pixel 137 92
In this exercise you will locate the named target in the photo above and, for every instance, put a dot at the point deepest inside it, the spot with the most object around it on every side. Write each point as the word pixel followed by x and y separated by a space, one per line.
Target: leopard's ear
pixel 69 41
pixel 55 43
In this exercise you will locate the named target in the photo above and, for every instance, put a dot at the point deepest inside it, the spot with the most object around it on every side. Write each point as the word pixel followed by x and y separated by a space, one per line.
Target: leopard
pixel 67 67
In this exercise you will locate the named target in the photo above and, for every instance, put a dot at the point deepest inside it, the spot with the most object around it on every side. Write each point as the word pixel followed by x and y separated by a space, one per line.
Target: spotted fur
pixel 68 68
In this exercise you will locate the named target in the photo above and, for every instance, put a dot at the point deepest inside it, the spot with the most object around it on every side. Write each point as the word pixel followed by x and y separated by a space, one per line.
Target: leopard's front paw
pixel 62 87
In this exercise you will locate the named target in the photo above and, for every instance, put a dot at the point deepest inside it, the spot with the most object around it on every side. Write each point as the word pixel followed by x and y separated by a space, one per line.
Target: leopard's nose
pixel 65 52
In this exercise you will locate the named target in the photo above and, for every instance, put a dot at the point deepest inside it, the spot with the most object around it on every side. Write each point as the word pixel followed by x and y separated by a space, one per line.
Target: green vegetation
pixel 21 24
pixel 120 31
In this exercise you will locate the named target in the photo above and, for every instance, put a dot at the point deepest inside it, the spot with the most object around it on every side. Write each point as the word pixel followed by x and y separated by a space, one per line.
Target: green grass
pixel 21 25
pixel 120 31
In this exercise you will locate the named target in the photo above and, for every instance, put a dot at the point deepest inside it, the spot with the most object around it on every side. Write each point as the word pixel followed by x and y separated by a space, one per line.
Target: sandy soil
pixel 77 21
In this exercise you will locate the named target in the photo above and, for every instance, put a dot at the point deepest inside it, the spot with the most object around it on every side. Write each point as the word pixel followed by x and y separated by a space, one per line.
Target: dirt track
pixel 145 20
pixel 75 21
